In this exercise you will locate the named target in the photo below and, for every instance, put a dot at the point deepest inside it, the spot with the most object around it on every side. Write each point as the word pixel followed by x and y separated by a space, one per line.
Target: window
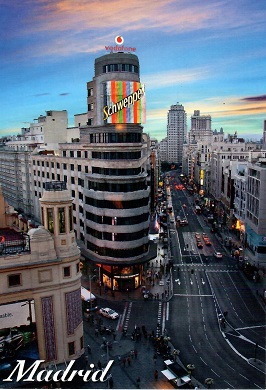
pixel 66 272
pixel 64 166
pixel 61 218
pixel 78 153
pixel 71 153
pixel 72 167
pixel 50 219
pixel 71 348
pixel 79 168
pixel 70 218
pixel 64 153
pixel 57 165
pixel 14 280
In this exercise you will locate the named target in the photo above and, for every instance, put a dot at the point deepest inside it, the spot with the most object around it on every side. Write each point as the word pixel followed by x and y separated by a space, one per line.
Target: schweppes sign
pixel 125 102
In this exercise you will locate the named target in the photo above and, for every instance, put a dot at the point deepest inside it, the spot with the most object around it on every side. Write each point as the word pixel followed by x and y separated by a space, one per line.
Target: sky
pixel 207 55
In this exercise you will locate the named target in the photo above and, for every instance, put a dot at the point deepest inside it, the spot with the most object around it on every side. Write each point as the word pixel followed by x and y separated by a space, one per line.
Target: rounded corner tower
pixel 116 190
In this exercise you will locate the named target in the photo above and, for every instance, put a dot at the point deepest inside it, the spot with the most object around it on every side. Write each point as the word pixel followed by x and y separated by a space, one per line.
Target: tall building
pixel 116 192
pixel 176 132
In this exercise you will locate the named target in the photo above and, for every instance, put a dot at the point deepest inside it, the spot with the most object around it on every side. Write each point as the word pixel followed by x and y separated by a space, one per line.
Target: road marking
pixel 164 315
pixel 215 373
pixel 159 319
pixel 229 384
pixel 203 361
pixel 123 318
pixel 194 295
pixel 127 316
pixel 167 311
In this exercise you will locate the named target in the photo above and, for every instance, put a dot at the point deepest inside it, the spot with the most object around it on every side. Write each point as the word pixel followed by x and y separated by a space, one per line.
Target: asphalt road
pixel 205 287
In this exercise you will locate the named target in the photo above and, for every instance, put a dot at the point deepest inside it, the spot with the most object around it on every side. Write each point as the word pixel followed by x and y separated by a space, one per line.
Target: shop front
pixel 121 278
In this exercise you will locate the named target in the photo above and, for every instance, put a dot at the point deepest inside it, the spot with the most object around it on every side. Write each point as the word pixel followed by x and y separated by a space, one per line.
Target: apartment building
pixel 176 133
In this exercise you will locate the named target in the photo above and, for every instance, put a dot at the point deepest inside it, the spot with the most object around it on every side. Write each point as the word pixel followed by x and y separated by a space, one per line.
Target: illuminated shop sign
pixel 125 102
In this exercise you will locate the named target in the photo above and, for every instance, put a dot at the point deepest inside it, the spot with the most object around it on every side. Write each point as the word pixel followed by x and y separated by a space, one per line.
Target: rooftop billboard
pixel 125 102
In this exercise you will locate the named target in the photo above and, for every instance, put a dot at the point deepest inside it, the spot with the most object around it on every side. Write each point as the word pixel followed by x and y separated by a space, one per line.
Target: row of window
pixel 120 68
pixel 116 171
pixel 116 204
pixel 117 187
pixel 103 219
pixel 107 138
pixel 117 236
pixel 118 253
pixel 117 155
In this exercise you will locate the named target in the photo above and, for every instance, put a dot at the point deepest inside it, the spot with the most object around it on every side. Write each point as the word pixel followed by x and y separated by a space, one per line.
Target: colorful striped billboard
pixel 125 102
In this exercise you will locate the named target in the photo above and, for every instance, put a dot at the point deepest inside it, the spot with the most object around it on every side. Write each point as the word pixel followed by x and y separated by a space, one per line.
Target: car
pixel 183 222
pixel 11 339
pixel 161 283
pixel 218 255
pixel 208 243
pixel 199 244
pixel 197 235
pixel 109 313
pixel 204 235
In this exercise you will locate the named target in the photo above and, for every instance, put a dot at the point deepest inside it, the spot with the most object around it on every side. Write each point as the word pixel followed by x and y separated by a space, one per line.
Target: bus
pixel 198 209
pixel 89 302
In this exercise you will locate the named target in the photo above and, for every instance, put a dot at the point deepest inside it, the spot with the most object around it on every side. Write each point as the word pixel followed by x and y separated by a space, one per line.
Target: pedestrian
pixel 124 361
pixel 96 332
pixel 132 354
pixel 138 382
pixel 114 336
pixel 155 358
pixel 129 360
pixel 156 375
pixel 136 353
pixel 99 364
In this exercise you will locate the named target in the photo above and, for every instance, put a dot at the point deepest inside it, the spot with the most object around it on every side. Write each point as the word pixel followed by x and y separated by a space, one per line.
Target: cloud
pixel 74 26
pixel 64 94
pixel 260 98
pixel 170 78
pixel 41 94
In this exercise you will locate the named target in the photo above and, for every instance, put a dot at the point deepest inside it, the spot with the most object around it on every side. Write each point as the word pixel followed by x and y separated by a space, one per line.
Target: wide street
pixel 213 317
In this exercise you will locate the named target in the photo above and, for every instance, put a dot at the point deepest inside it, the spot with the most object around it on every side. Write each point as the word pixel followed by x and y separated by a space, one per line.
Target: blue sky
pixel 207 55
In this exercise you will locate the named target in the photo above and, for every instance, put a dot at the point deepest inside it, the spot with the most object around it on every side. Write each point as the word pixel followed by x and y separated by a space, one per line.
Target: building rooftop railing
pixel 12 242
pixel 55 186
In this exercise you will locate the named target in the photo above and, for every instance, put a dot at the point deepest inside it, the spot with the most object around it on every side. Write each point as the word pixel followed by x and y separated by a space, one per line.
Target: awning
pixel 169 375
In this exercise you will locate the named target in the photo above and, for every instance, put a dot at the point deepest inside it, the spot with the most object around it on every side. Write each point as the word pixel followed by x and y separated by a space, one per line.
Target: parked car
pixel 218 255
pixel 109 313
pixel 11 339
pixel 199 244
pixel 208 243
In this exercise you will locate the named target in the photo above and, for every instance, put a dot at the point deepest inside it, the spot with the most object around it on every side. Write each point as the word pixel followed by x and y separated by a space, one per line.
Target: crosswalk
pixel 205 267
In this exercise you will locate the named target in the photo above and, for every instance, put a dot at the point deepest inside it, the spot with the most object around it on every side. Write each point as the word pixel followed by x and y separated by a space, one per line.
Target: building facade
pixel 40 282
pixel 176 133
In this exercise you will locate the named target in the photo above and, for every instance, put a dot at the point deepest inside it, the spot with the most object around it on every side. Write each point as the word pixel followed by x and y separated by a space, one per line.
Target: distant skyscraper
pixel 200 127
pixel 176 132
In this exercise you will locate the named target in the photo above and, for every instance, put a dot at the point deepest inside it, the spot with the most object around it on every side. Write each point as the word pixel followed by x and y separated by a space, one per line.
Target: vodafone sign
pixel 119 40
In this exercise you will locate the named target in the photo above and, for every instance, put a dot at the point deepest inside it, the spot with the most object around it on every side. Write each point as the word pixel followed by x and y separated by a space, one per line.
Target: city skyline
pixel 207 56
